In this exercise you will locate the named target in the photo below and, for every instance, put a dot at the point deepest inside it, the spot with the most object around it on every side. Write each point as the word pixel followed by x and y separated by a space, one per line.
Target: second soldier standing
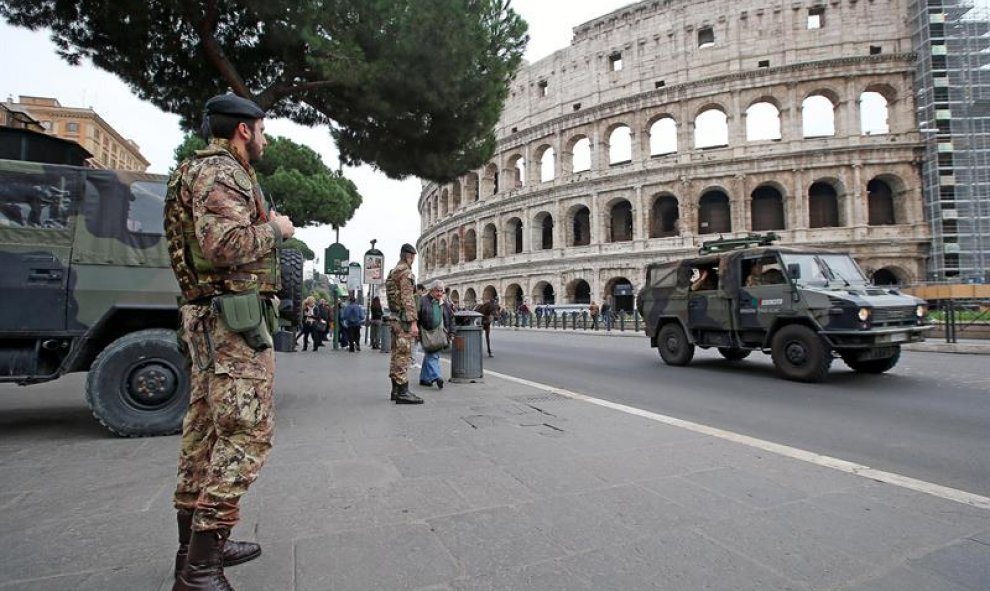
pixel 399 289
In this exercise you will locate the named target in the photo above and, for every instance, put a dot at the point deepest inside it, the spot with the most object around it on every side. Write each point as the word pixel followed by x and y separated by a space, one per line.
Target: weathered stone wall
pixel 761 54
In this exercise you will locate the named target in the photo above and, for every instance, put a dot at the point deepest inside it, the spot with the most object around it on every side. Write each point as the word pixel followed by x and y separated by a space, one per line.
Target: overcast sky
pixel 32 68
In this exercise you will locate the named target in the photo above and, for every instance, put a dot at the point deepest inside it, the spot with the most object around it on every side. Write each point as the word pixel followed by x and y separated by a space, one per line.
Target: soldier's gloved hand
pixel 284 224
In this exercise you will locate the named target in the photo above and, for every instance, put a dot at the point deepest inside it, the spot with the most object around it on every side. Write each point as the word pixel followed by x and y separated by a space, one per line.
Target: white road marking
pixel 937 490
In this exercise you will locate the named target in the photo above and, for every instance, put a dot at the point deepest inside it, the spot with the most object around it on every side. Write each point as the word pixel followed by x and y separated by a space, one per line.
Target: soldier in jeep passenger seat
pixel 222 240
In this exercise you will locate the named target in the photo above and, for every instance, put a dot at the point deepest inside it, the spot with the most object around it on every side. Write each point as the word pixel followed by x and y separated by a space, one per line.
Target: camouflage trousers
pixel 228 428
pixel 401 359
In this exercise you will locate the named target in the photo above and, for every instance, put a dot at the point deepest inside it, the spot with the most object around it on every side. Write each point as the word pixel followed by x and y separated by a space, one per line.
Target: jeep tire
pixel 139 384
pixel 734 353
pixel 800 354
pixel 291 295
pixel 872 365
pixel 673 345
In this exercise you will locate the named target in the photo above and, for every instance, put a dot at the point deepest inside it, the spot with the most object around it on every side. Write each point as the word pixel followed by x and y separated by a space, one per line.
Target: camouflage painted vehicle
pixel 87 286
pixel 803 306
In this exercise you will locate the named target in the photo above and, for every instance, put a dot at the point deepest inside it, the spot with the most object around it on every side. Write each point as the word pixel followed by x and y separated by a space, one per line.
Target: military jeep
pixel 803 306
pixel 87 286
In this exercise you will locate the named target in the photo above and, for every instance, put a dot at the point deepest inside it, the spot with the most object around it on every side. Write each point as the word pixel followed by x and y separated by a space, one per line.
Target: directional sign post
pixel 336 260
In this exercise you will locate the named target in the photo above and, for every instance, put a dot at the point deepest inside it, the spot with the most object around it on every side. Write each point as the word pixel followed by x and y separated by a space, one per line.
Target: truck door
pixel 36 216
pixel 709 305
pixel 764 295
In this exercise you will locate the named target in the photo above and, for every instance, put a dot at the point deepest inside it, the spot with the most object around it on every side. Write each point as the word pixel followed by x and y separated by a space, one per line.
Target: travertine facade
pixel 702 118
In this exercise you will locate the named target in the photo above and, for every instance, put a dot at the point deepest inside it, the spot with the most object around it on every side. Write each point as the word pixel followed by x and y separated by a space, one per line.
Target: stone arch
pixel 763 121
pixel 619 143
pixel 874 113
pixel 515 173
pixel 711 127
pixel 714 212
pixel 542 231
pixel 880 203
pixel 620 294
pixel 489 242
pixel 543 293
pixel 455 196
pixel 767 208
pixel 665 216
pixel 513 236
pixel 489 180
pixel 455 297
pixel 455 249
pixel 619 223
pixel 470 245
pixel 578 154
pixel 442 258
pixel 513 296
pixel 579 225
pixel 444 202
pixel 470 298
pixel 578 292
pixel 818 114
pixel 471 187
pixel 663 135
pixel 547 158
pixel 888 276
pixel 825 204
pixel 489 293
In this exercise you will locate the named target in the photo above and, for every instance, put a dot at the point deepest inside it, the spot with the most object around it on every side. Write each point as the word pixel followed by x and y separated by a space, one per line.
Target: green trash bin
pixel 465 351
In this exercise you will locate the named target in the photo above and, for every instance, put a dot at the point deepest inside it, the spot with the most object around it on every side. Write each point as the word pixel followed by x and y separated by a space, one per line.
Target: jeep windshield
pixel 824 269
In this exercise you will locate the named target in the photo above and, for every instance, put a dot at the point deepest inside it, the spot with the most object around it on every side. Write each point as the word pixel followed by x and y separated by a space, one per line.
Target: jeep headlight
pixel 921 311
pixel 864 314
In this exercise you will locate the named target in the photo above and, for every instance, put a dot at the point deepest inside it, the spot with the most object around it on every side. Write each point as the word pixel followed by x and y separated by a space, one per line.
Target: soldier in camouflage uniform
pixel 222 240
pixel 399 288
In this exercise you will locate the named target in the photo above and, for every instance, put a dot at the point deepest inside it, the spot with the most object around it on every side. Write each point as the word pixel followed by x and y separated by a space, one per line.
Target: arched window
pixel 767 209
pixel 489 242
pixel 711 129
pixel 542 231
pixel 470 245
pixel 873 113
pixel 444 202
pixel 713 213
pixel 663 136
pixel 620 227
pixel 818 116
pixel 455 249
pixel 548 161
pixel 455 196
pixel 664 217
pixel 579 292
pixel 762 122
pixel 471 187
pixel 517 171
pixel 619 292
pixel 823 206
pixel 880 203
pixel 489 182
pixel 470 297
pixel 443 253
pixel 543 293
pixel 620 145
pixel 513 297
pixel 580 227
pixel 514 236
pixel 581 155
pixel 489 293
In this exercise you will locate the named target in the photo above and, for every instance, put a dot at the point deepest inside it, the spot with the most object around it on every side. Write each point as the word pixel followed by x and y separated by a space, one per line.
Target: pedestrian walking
pixel 523 312
pixel 489 312
pixel 321 327
pixel 222 241
pixel 434 313
pixel 354 319
pixel 376 322
pixel 399 288
pixel 595 313
pixel 309 321
pixel 606 313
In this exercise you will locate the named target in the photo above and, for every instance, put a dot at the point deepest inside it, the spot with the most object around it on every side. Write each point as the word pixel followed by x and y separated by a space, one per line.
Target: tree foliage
pixel 297 244
pixel 410 86
pixel 297 183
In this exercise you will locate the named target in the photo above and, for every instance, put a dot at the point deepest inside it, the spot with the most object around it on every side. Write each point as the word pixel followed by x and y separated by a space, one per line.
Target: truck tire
pixel 734 353
pixel 138 385
pixel 800 354
pixel 873 365
pixel 291 295
pixel 674 346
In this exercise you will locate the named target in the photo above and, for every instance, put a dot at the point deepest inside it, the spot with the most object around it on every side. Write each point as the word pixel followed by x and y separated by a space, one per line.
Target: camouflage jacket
pixel 220 239
pixel 399 288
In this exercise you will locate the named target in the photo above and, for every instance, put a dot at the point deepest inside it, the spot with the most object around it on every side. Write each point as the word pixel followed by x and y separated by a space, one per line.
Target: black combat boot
pixel 234 553
pixel 204 565
pixel 395 390
pixel 404 396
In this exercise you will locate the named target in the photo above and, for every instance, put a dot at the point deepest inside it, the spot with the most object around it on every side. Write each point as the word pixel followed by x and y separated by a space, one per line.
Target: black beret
pixel 408 248
pixel 231 104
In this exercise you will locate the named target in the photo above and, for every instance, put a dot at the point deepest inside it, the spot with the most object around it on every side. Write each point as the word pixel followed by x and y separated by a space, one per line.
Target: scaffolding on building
pixel 952 41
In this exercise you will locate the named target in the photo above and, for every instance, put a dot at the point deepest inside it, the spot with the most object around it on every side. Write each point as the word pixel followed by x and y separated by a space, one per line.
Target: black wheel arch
pixel 115 323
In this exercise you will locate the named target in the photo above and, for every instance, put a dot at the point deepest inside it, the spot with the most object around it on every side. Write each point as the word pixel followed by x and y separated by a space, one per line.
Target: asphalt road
pixel 928 418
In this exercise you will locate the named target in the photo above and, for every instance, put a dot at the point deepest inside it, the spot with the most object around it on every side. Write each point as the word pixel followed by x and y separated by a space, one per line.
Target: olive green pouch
pixel 244 314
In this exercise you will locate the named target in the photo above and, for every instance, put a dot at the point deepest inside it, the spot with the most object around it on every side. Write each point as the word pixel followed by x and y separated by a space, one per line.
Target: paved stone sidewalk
pixel 493 486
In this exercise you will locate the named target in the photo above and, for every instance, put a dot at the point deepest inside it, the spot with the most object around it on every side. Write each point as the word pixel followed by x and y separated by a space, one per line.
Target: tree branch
pixel 206 31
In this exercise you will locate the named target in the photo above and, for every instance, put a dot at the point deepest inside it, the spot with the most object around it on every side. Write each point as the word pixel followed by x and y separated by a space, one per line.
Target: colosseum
pixel 668 123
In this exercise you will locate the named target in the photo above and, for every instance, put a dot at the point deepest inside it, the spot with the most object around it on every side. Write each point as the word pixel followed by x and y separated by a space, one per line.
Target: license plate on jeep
pixel 898 337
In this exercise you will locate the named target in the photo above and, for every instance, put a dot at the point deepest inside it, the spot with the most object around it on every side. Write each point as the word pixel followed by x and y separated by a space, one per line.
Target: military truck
pixel 87 286
pixel 803 306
